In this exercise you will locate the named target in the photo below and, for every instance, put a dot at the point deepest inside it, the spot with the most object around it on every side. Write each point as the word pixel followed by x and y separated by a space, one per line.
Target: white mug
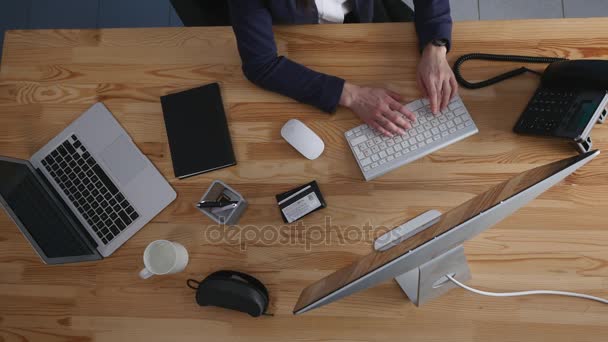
pixel 163 257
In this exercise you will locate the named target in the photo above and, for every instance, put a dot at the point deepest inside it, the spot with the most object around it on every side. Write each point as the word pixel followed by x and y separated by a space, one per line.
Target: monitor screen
pixel 39 213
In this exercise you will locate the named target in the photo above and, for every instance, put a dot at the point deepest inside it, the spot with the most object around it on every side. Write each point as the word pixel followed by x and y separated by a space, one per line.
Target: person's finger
pixel 394 95
pixel 379 128
pixel 446 92
pixel 394 105
pixel 431 87
pixel 398 107
pixel 421 86
pixel 396 118
pixel 388 125
pixel 454 87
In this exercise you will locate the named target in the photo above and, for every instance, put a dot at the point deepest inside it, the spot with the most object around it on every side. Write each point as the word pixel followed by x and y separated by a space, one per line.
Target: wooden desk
pixel 559 241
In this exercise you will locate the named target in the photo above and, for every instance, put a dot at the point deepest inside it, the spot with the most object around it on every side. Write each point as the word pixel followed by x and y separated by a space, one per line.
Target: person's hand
pixel 379 108
pixel 435 77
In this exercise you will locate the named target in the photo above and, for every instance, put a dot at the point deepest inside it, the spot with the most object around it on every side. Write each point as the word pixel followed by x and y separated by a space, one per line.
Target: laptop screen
pixel 41 216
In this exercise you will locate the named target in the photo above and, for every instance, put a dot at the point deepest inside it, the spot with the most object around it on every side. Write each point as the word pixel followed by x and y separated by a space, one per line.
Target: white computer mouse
pixel 302 139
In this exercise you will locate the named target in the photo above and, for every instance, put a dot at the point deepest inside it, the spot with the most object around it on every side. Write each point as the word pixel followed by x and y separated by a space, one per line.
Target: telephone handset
pixel 571 98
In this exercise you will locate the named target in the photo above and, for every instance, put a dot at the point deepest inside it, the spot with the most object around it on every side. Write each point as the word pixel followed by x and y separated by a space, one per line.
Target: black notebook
pixel 197 130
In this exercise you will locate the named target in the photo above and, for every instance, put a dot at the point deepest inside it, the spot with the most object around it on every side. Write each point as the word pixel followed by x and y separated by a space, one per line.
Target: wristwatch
pixel 439 42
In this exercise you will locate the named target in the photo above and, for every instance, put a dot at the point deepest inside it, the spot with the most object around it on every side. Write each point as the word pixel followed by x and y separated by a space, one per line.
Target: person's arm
pixel 435 77
pixel 252 24
pixel 433 21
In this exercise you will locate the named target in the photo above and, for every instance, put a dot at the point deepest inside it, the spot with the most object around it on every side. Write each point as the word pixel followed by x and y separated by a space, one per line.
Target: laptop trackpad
pixel 123 159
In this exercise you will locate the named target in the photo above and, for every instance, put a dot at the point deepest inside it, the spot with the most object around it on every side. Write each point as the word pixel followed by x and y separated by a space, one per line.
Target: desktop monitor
pixel 448 233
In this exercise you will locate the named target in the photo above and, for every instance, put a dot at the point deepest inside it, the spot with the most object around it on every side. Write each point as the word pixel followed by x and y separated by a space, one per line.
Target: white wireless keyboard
pixel 377 154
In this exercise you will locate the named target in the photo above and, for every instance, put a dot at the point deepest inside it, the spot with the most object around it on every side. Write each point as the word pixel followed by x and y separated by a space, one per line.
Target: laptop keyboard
pixel 90 189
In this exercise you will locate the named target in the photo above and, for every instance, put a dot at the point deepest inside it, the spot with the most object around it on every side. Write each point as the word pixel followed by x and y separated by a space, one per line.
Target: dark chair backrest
pixel 202 12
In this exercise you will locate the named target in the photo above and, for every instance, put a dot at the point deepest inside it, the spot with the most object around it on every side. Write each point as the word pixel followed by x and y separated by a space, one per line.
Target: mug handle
pixel 145 273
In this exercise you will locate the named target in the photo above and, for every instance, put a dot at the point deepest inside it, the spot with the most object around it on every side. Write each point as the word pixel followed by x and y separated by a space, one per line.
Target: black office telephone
pixel 572 96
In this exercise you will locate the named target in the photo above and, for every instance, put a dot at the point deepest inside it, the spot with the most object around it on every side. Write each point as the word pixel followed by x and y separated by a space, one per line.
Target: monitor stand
pixel 428 281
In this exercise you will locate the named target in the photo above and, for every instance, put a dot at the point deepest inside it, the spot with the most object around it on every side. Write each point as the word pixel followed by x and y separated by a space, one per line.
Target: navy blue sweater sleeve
pixel 433 21
pixel 252 24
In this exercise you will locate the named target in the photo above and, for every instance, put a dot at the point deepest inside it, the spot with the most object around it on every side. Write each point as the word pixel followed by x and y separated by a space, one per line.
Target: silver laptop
pixel 85 193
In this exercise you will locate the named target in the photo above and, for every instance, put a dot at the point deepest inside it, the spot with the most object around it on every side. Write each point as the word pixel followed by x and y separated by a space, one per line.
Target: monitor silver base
pixel 428 281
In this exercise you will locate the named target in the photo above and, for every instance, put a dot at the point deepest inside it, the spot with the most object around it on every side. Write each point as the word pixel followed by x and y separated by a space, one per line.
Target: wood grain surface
pixel 559 241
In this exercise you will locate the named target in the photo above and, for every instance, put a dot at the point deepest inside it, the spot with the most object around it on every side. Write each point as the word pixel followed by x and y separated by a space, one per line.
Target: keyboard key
pixel 69 148
pixel 356 141
pixel 125 218
pixel 374 165
pixel 119 224
pixel 360 154
pixel 366 161
pixel 459 111
pixel 114 230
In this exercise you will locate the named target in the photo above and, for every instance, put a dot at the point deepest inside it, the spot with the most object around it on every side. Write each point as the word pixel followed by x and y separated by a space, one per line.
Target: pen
pixel 215 204
pixel 222 209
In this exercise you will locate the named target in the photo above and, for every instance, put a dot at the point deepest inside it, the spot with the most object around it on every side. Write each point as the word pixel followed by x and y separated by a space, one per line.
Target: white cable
pixel 526 293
